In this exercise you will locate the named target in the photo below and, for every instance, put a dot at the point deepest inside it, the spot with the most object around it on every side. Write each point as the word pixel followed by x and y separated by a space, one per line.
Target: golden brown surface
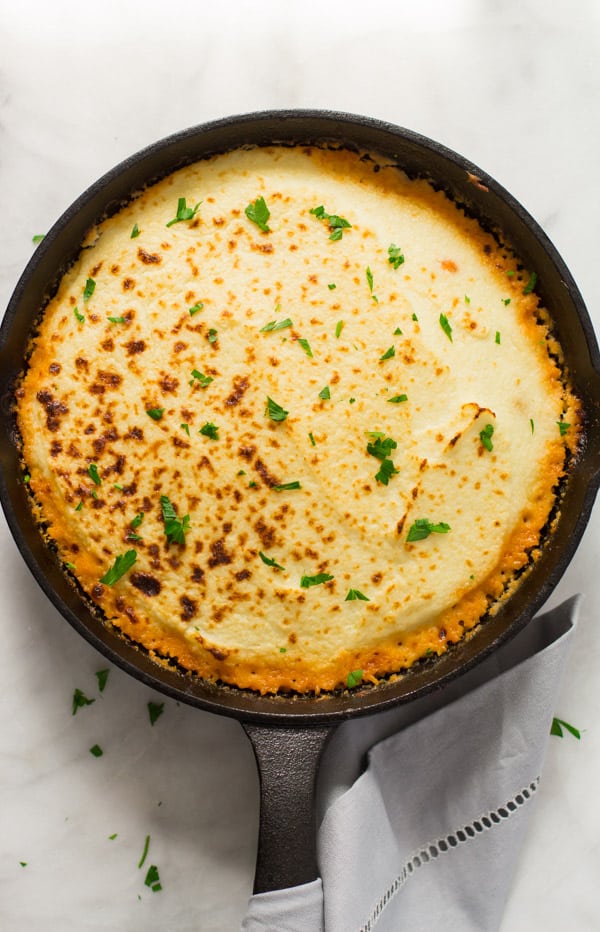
pixel 414 380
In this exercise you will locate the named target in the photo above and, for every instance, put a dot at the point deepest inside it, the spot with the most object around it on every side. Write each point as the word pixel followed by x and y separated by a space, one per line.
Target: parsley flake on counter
pixel 485 436
pixel 102 677
pixel 155 710
pixel 338 328
pixel 152 879
pixel 446 327
pixel 356 595
pixel 135 231
pixel 112 837
pixel 563 427
pixel 287 486
pixel 123 563
pixel 336 224
pixel 305 346
pixel 273 326
pixel 259 213
pixel 210 430
pixel 268 561
pixel 325 393
pixel 397 399
pixel 354 679
pixel 38 238
pixel 175 528
pixel 93 474
pixel 80 700
pixel 388 354
pixel 96 750
pixel 144 852
pixel 557 729
pixel 90 287
pixel 184 212
pixel 422 528
pixel 275 411
pixel 307 581
pixel 155 413
pixel 79 317
pixel 395 256
pixel 203 380
pixel 195 308
pixel 532 282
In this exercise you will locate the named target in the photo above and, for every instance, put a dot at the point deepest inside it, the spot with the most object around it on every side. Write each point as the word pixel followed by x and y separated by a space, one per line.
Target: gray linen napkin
pixel 427 837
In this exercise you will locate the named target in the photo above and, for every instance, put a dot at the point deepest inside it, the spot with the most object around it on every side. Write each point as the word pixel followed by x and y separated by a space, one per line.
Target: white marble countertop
pixel 513 86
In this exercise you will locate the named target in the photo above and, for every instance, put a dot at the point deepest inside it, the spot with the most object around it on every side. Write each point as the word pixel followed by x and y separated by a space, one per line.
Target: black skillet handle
pixel 288 760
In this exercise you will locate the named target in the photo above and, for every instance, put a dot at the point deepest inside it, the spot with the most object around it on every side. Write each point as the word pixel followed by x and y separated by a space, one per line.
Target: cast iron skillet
pixel 288 733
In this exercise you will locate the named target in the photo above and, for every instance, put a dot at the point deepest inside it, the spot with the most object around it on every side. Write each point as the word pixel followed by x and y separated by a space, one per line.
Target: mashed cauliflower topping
pixel 293 420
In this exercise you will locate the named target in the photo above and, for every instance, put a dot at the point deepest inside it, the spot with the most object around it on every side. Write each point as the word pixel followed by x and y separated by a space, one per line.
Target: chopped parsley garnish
pixel 338 328
pixel 79 317
pixel 312 439
pixel 287 486
pixel 414 317
pixel 356 595
pixel 135 231
pixel 325 394
pixel 354 679
pixel 563 427
pixel 259 213
pixel 80 700
pixel 113 836
pixel 135 522
pixel 212 335
pixel 385 472
pixel 184 212
pixel 369 276
pixel 485 436
pixel 90 287
pixel 123 563
pixel 196 307
pixel 144 852
pixel 557 729
pixel 117 320
pixel 203 380
pixel 445 325
pixel 274 325
pixel 186 428
pixel 497 338
pixel 397 399
pixel 388 354
pixel 506 301
pixel 38 238
pixel 93 474
pixel 155 413
pixel 381 446
pixel 275 411
pixel 96 750
pixel 70 566
pixel 210 430
pixel 307 581
pixel 268 561
pixel 395 256
pixel 531 424
pixel 332 286
pixel 422 528
pixel 102 677
pixel 336 224
pixel 155 710
pixel 530 284
pixel 305 346
pixel 351 401
pixel 152 879
pixel 79 506
pixel 175 528
pixel 467 299
pixel 397 332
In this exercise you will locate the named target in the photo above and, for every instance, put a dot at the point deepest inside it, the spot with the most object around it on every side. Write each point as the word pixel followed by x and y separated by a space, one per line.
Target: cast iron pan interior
pixel 483 198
